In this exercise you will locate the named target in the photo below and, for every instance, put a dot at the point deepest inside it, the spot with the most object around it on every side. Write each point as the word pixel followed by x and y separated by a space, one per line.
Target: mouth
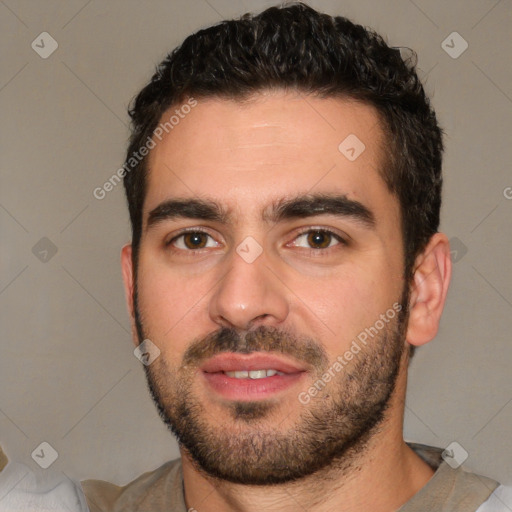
pixel 246 377
pixel 253 374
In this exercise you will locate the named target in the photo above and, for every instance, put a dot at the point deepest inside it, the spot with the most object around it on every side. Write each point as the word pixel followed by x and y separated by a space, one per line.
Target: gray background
pixel 67 369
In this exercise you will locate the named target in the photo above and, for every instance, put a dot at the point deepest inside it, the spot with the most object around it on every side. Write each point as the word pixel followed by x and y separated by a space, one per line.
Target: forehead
pixel 249 154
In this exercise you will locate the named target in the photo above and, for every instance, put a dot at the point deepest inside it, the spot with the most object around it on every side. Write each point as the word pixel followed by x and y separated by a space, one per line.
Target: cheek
pixel 170 305
pixel 338 308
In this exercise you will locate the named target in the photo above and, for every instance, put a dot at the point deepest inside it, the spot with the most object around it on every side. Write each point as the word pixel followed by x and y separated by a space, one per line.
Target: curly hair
pixel 295 47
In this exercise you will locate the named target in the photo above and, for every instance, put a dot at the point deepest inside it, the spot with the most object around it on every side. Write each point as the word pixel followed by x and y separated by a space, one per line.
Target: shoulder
pixel 153 490
pixel 451 487
pixel 22 489
pixel 499 501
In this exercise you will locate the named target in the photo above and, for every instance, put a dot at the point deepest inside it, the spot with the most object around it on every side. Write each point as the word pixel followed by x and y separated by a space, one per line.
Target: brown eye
pixel 195 240
pixel 319 239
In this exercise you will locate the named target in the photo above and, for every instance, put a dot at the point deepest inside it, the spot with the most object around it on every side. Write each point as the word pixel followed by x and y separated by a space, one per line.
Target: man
pixel 284 186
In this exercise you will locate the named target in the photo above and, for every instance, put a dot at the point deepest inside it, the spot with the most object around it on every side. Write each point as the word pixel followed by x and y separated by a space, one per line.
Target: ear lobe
pixel 429 289
pixel 127 270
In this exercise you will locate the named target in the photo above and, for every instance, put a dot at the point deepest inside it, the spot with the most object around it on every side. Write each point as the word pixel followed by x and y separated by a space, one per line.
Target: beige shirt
pixel 449 490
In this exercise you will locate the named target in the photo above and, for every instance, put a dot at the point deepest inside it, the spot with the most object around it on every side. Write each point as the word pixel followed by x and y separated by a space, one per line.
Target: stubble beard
pixel 248 445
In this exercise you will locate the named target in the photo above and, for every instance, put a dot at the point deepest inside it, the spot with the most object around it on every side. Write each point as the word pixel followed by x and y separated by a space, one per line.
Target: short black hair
pixel 294 47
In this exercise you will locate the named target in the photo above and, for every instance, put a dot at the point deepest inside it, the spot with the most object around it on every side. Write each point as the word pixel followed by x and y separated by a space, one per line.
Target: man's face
pixel 267 249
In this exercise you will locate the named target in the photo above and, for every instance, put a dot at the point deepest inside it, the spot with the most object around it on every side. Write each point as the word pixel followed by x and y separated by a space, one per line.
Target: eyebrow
pixel 299 207
pixel 187 209
pixel 321 204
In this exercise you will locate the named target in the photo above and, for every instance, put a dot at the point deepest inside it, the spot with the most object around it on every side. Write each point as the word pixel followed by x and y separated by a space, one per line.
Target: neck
pixel 381 477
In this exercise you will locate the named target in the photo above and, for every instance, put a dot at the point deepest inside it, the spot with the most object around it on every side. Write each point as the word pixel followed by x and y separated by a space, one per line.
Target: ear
pixel 432 274
pixel 127 270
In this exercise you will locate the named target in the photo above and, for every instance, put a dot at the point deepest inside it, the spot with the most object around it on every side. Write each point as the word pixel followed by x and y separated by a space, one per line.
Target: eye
pixel 317 239
pixel 193 240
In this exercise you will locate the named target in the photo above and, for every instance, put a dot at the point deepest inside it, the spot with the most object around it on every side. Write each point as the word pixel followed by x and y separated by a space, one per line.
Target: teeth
pixel 253 374
pixel 257 374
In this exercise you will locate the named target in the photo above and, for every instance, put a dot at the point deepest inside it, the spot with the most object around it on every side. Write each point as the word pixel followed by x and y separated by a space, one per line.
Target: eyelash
pixel 325 231
pixel 188 232
pixel 341 241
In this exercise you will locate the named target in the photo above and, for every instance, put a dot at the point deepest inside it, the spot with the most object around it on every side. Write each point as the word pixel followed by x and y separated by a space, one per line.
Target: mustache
pixel 262 339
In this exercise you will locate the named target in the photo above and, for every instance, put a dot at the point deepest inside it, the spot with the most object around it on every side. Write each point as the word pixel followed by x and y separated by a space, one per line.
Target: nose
pixel 249 295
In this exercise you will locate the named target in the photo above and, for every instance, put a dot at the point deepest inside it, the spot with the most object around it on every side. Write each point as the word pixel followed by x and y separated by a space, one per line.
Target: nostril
pixel 258 319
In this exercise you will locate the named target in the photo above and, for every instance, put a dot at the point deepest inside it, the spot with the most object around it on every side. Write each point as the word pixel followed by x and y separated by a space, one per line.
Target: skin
pixel 245 157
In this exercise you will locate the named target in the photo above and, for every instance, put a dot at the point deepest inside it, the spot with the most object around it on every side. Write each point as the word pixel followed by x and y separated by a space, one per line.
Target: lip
pixel 248 389
pixel 231 362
